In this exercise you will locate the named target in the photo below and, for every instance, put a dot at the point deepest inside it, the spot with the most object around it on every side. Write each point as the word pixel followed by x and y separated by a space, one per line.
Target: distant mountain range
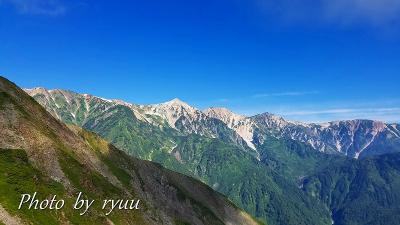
pixel 353 138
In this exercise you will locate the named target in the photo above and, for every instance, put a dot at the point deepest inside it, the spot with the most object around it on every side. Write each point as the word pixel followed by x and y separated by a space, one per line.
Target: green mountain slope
pixel 248 182
pixel 222 164
pixel 293 159
pixel 365 191
pixel 38 153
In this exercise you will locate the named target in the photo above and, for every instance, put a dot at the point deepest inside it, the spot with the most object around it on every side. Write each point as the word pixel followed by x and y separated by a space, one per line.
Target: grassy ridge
pixel 18 176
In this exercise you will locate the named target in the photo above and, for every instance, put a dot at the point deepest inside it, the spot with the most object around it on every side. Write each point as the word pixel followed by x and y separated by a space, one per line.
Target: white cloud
pixel 343 111
pixel 375 12
pixel 343 12
pixel 38 7
pixel 389 114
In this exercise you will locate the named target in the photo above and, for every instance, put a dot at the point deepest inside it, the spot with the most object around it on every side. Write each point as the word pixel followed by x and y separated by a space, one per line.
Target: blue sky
pixel 308 60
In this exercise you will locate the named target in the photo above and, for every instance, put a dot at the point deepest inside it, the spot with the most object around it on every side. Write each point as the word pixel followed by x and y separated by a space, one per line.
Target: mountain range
pixel 353 138
pixel 39 153
pixel 258 162
pixel 186 140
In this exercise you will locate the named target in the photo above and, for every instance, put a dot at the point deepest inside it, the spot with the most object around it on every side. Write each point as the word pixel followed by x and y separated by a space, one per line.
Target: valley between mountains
pixel 279 171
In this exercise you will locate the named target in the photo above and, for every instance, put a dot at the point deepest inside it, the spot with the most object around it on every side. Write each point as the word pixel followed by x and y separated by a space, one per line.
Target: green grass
pixel 17 177
pixel 180 222
pixel 86 180
pixel 100 147
pixel 96 187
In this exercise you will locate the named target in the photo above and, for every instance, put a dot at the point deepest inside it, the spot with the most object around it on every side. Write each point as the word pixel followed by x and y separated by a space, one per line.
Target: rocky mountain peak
pixel 222 111
pixel 228 117
pixel 271 120
pixel 176 102
pixel 270 116
pixel 243 126
pixel 36 90
pixel 172 111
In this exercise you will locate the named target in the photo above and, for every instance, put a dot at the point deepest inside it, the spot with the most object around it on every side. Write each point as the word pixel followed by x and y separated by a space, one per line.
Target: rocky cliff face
pixel 241 124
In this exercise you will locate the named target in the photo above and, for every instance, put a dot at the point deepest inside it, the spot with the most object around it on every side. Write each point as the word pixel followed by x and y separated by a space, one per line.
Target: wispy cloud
pixel 38 7
pixel 389 114
pixel 343 12
pixel 263 95
pixel 341 111
pixel 376 12
pixel 289 93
